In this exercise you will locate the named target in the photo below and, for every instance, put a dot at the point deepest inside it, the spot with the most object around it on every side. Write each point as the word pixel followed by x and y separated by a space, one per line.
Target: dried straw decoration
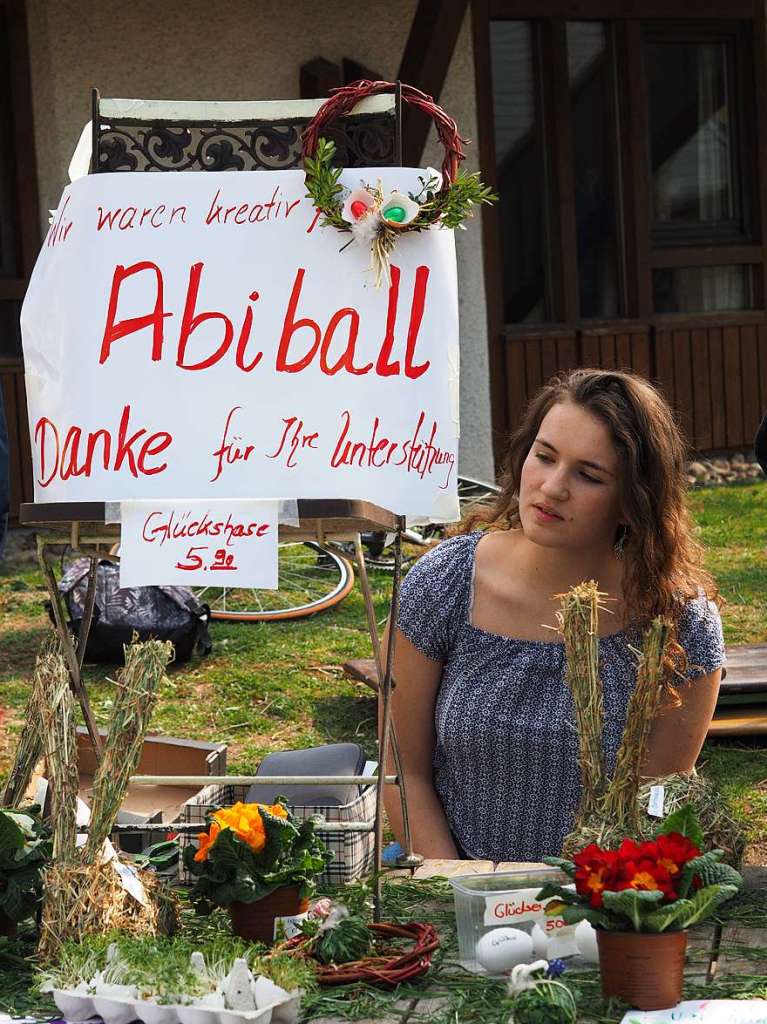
pixel 579 624
pixel 89 899
pixel 612 809
pixel 82 893
pixel 137 685
pixel 60 743
pixel 29 749
pixel 620 806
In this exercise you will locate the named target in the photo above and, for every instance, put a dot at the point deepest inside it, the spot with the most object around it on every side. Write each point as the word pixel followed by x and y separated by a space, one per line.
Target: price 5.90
pixel 193 561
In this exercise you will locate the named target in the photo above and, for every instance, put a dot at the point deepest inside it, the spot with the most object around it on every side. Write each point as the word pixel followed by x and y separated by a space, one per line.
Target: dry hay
pixel 89 899
pixel 29 748
pixel 82 894
pixel 579 625
pixel 720 829
pixel 614 809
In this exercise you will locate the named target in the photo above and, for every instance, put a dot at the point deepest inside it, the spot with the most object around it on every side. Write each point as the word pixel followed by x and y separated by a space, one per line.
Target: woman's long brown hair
pixel 665 560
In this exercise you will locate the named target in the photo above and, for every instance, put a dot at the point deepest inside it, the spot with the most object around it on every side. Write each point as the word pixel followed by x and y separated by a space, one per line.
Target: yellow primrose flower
pixel 246 822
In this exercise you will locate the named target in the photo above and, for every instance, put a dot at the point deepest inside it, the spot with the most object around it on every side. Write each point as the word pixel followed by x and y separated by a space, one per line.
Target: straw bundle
pixel 579 625
pixel 620 806
pixel 610 812
pixel 137 686
pixel 59 732
pixel 88 899
pixel 29 749
pixel 83 894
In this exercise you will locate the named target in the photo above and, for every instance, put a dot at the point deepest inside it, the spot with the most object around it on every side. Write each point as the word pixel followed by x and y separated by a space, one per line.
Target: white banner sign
pixel 199 543
pixel 202 336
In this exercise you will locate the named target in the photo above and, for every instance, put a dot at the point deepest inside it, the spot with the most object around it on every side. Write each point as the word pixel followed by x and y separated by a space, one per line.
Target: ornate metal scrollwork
pixel 365 141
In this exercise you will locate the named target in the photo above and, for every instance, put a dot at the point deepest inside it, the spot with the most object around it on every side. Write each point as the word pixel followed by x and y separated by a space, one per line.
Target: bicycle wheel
pixel 311 579
pixel 471 492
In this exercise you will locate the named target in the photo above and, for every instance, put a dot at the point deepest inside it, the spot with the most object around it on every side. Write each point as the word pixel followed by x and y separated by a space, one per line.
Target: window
pixel 595 167
pixel 693 151
pixel 520 170
pixel 625 168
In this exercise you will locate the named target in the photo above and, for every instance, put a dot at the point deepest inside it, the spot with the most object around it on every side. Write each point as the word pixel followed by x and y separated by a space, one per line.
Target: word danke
pixel 303 340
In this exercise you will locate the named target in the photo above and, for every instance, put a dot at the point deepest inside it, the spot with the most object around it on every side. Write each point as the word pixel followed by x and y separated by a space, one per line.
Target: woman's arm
pixel 417 681
pixel 678 733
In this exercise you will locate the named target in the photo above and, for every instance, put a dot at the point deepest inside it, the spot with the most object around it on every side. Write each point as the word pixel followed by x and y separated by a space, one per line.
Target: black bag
pixel 165 613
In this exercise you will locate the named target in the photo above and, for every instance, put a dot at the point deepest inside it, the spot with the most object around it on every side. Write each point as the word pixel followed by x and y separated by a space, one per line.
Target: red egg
pixel 359 209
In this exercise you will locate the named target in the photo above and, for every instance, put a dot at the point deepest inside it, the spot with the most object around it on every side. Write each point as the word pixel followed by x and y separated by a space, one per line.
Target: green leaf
pixel 566 866
pixel 685 822
pixel 632 904
pixel 710 871
pixel 597 918
pixel 705 901
pixel 662 918
pixel 11 838
pixel 551 889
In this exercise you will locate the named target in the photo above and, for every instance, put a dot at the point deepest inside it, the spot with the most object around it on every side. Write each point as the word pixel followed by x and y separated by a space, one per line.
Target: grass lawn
pixel 277 686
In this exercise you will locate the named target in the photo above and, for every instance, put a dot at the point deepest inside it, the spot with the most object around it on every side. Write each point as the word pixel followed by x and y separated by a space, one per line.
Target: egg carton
pixel 76 1007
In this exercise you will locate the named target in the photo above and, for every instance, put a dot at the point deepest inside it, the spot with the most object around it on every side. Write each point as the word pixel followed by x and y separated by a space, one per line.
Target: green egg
pixel 395 213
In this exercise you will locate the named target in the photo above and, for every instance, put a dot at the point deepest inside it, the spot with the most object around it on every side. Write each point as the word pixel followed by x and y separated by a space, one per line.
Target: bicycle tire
pixel 221 599
pixel 471 491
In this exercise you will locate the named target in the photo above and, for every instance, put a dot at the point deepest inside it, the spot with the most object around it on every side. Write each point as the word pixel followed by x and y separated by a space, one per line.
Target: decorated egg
pixel 398 210
pixel 358 204
pixel 502 948
pixel 540 941
pixel 586 942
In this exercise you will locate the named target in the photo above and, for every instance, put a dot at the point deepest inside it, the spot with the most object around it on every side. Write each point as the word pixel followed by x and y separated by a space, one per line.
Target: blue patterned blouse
pixel 506 755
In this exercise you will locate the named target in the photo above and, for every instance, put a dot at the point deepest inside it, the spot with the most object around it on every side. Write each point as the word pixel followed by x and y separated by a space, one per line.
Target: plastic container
pixel 506 899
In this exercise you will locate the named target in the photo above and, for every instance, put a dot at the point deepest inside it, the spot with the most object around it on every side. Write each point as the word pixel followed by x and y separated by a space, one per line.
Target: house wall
pixel 195 49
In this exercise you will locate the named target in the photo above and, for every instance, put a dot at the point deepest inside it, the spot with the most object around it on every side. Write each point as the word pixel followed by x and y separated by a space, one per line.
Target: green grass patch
pixel 278 686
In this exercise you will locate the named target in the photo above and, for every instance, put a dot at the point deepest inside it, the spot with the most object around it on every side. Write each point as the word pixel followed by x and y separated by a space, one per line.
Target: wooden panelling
pixel 701 388
pixel 15 406
pixel 749 375
pixel 515 375
pixel 683 381
pixel 761 343
pixel 733 403
pixel 714 375
pixel 716 383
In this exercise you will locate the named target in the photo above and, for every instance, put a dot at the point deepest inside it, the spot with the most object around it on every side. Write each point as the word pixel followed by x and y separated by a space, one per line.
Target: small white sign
pixel 288 927
pixel 510 908
pixel 199 543
pixel 657 800
pixel 131 882
pixel 704 1011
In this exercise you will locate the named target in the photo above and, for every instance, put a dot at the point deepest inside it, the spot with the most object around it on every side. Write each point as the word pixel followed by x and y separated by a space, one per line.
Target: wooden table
pixel 701 946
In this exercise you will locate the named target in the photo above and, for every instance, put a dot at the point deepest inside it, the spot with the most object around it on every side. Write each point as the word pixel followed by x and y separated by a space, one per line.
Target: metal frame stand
pixel 82 537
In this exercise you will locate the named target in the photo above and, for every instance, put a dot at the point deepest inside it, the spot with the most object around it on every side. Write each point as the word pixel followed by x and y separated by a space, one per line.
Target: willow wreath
pixel 387 966
pixel 374 217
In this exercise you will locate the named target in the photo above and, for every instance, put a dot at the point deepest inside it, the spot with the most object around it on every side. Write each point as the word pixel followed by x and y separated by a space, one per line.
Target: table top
pixel 450 993
pixel 328 517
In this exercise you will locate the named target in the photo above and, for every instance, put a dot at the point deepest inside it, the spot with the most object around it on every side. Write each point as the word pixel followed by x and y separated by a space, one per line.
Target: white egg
pixel 586 942
pixel 502 948
pixel 540 941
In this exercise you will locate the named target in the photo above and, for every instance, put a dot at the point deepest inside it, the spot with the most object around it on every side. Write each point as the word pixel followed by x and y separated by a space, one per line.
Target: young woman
pixel 594 488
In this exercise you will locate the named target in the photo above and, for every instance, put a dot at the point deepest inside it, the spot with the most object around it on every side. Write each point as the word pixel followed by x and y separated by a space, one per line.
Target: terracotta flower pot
pixel 642 969
pixel 256 921
pixel 7 926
